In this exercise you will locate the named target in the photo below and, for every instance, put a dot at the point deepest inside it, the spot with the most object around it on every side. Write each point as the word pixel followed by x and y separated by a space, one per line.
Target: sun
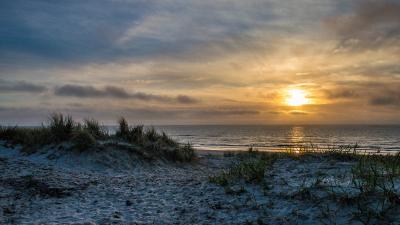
pixel 297 97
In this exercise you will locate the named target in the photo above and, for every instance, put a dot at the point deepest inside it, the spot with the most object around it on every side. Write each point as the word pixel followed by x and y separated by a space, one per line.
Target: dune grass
pixel 88 135
pixel 158 144
pixel 377 179
pixel 94 128
pixel 251 167
pixel 374 192
pixel 28 138
pixel 83 140
pixel 61 127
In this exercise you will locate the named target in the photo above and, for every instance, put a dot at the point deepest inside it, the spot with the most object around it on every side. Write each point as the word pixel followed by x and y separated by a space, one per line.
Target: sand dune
pixel 116 187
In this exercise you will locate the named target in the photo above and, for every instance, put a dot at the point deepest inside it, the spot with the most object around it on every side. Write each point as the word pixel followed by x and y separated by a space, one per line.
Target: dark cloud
pixel 64 31
pixel 140 115
pixel 370 25
pixel 362 93
pixel 101 30
pixel 274 112
pixel 82 91
pixel 21 86
pixel 186 99
pixel 226 112
pixel 386 98
pixel 375 93
pixel 300 113
pixel 384 101
pixel 117 92
pixel 335 94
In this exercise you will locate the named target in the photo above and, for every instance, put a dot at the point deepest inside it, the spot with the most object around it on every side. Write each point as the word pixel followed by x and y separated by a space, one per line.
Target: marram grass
pixel 89 134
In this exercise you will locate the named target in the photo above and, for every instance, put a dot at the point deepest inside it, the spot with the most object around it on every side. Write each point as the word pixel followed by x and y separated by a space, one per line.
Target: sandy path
pixel 160 193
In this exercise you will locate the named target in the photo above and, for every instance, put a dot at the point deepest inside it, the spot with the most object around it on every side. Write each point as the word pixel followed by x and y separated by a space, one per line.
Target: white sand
pixel 117 188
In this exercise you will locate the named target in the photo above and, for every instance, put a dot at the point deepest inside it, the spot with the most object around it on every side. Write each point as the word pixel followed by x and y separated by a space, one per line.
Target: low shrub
pixel 83 140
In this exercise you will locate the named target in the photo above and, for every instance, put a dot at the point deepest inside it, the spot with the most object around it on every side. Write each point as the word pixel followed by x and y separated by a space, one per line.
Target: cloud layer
pixel 70 90
pixel 20 86
pixel 210 61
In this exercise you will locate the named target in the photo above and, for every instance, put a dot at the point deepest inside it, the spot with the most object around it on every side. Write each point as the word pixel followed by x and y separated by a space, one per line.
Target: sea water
pixel 280 137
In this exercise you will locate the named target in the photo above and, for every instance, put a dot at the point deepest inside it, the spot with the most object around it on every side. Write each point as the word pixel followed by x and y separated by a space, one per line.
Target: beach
pixel 57 186
pixel 181 112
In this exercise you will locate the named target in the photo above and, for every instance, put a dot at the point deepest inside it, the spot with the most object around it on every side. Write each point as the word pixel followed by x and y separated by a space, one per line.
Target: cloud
pixel 335 94
pixel 225 112
pixel 70 90
pixel 185 78
pixel 21 86
pixel 85 32
pixel 90 92
pixel 371 24
pixel 274 112
pixel 384 93
pixel 384 101
pixel 386 98
pixel 157 50
pixel 186 99
pixel 151 115
pixel 298 113
pixel 101 31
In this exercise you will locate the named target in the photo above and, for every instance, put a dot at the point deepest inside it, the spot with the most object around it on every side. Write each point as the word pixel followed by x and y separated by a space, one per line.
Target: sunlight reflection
pixel 296 137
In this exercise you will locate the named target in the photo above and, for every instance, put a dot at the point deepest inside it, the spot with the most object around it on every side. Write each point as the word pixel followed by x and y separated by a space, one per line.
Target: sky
pixel 201 62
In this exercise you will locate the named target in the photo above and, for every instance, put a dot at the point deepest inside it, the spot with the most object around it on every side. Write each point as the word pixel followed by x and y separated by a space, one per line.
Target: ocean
pixel 381 138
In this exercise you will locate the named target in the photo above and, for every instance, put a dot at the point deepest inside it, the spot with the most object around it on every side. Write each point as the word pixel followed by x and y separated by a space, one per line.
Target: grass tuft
pixel 250 168
pixel 156 144
pixel 94 128
pixel 123 131
pixel 375 177
pixel 61 127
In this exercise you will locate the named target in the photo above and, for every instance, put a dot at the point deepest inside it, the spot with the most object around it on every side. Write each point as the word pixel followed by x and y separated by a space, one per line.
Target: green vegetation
pixel 83 140
pixel 341 152
pixel 372 197
pixel 93 127
pixel 29 138
pixel 124 131
pixel 156 144
pixel 61 127
pixel 375 177
pixel 251 167
pixel 251 170
pixel 89 135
